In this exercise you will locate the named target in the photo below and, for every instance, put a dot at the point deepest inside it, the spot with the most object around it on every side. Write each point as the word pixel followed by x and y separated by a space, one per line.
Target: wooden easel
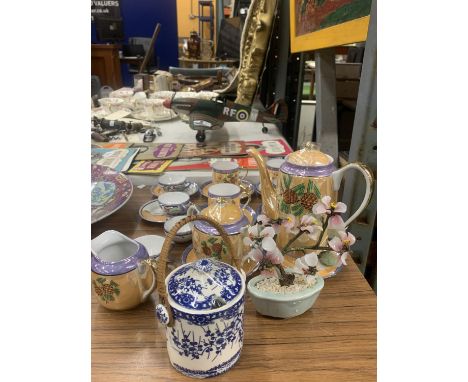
pixel 151 49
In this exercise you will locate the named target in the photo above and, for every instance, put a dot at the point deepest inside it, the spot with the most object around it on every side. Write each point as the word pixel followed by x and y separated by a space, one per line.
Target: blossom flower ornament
pixel 341 244
pixel 309 224
pixel 261 238
pixel 308 264
pixel 326 206
pixel 266 221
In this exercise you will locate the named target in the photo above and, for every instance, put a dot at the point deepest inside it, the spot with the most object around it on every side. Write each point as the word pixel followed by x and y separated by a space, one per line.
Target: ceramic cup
pixel 174 202
pixel 173 182
pixel 154 107
pixel 225 172
pixel 120 276
pixel 111 105
pixel 184 234
pixel 273 166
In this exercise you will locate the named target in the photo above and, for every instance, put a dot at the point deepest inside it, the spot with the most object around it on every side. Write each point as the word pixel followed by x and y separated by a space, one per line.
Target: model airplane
pixel 211 114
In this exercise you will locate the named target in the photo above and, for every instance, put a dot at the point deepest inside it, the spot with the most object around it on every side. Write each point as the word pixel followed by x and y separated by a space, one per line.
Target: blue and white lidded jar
pixel 206 299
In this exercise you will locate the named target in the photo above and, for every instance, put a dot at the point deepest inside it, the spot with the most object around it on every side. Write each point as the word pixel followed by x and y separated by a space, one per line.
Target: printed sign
pixel 106 8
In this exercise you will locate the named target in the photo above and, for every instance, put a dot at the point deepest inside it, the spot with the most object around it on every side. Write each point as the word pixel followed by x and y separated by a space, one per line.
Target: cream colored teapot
pixel 303 179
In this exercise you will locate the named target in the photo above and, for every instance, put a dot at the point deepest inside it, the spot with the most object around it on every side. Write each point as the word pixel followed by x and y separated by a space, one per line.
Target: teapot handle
pixel 366 171
pixel 162 261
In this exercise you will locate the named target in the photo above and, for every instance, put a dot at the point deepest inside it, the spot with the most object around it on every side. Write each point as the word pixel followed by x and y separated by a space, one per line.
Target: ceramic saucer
pixel 247 188
pixel 152 243
pixel 191 190
pixel 152 212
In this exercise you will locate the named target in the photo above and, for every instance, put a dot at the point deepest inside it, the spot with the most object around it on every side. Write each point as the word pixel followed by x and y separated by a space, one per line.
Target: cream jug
pixel 121 275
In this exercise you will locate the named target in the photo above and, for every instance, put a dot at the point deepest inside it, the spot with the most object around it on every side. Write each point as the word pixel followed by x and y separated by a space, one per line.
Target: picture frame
pixel 319 24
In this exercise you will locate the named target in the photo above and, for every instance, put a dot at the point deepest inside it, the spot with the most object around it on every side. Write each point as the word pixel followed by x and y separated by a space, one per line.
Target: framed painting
pixel 318 24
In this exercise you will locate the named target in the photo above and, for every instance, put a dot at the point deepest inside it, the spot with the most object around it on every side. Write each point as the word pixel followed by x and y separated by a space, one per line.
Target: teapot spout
pixel 269 199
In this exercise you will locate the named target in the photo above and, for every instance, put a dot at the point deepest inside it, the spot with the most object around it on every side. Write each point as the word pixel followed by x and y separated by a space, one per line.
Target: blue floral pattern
pixel 207 319
pixel 161 313
pixel 221 368
pixel 201 284
pixel 214 339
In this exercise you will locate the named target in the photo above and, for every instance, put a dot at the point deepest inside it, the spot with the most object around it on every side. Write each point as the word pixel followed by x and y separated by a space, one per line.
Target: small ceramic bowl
pixel 184 234
pixel 174 203
pixel 283 305
pixel 173 182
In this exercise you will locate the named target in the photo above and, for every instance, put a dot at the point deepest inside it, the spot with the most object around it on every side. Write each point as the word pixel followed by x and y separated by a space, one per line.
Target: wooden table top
pixel 334 341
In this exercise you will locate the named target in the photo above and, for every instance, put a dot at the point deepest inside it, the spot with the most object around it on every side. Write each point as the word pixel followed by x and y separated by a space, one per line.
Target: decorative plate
pixel 247 188
pixel 152 212
pixel 191 190
pixel 110 190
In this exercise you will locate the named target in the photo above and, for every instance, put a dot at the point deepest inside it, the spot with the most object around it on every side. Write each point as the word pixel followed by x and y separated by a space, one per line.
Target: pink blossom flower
pixel 263 219
pixel 304 263
pixel 289 223
pixel 310 224
pixel 326 206
pixel 262 244
pixel 275 256
pixel 341 244
pixel 336 222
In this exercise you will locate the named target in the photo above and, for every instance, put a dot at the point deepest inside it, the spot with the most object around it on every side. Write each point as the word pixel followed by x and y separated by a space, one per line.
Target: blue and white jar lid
pixel 204 285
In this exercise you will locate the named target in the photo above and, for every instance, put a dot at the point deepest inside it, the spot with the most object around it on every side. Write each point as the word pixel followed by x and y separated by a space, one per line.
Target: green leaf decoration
pixel 297 210
pixel 284 207
pixel 113 283
pixel 287 181
pixel 299 189
pixel 211 240
pixel 117 291
pixel 101 280
pixel 316 191
pixel 310 186
pixel 328 258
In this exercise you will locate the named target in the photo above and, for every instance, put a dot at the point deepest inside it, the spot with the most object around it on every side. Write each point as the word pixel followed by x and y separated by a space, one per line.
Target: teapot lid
pixel 205 284
pixel 310 155
pixel 309 161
